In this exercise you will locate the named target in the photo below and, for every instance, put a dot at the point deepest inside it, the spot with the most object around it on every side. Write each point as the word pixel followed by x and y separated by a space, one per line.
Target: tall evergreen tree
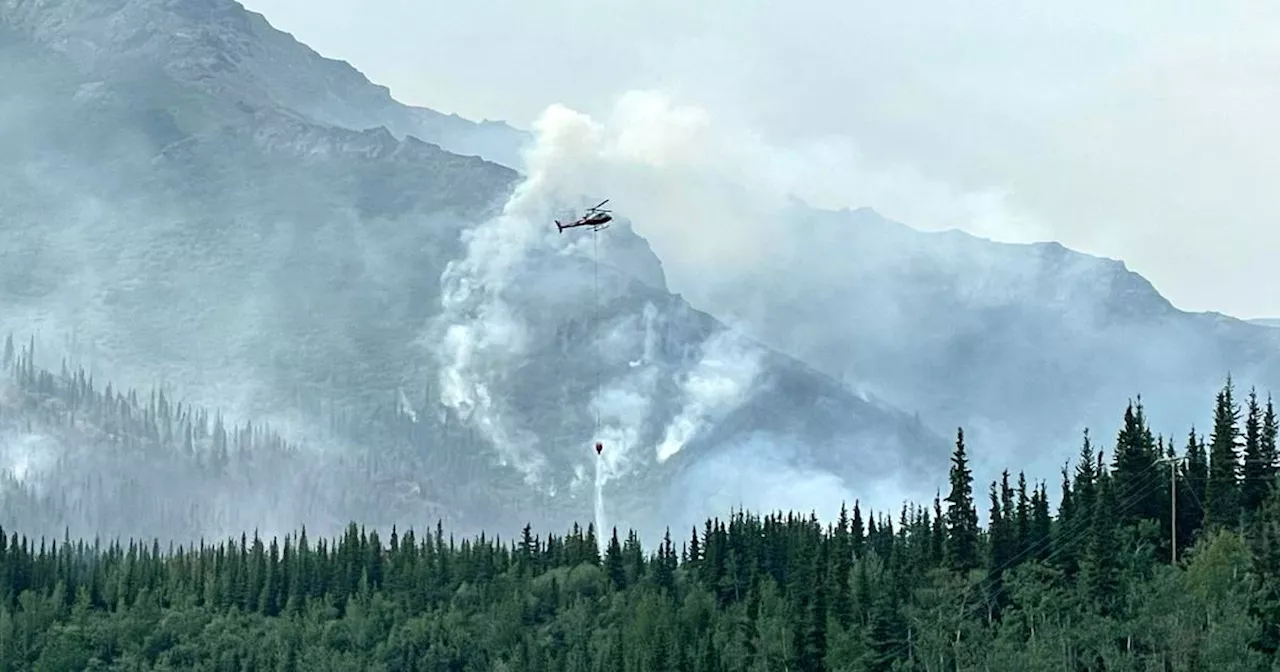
pixel 1000 531
pixel 962 516
pixel 1039 545
pixel 1255 474
pixel 1074 523
pixel 937 533
pixel 996 528
pixel 1265 599
pixel 1063 532
pixel 1009 510
pixel 1066 504
pixel 613 565
pixel 841 568
pixel 1023 518
pixel 1100 563
pixel 812 629
pixel 1270 460
pixel 1222 496
pixel 857 531
pixel 1192 490
pixel 1084 485
pixel 1134 462
pixel 1269 431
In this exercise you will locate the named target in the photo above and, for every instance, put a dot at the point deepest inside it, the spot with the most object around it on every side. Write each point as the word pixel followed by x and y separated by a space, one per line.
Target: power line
pixel 1075 530
pixel 1173 461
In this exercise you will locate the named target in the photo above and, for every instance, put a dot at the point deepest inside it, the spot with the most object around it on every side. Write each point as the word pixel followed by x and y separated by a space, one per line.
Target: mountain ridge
pixel 1021 343
pixel 224 49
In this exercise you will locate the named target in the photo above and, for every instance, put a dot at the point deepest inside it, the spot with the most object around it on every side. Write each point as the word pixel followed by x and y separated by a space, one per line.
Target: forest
pixel 1159 553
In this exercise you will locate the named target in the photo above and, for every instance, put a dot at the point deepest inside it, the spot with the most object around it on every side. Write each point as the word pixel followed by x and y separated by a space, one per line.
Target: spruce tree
pixel 857 531
pixel 1222 496
pixel 1067 504
pixel 1022 518
pixel 962 516
pixel 1264 604
pixel 1192 490
pixel 526 551
pixel 1256 471
pixel 841 567
pixel 811 631
pixel 1063 530
pixel 937 534
pixel 1039 545
pixel 613 565
pixel 1001 535
pixel 1100 564
pixel 1083 486
pixel 1009 509
pixel 997 532
pixel 884 638
pixel 1134 461
pixel 1076 517
pixel 1269 430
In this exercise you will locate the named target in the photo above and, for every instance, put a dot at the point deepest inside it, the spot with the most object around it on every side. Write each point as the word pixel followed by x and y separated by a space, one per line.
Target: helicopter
pixel 596 218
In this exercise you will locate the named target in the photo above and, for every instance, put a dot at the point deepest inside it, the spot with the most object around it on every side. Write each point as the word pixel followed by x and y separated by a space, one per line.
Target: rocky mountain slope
pixel 169 215
pixel 235 56
pixel 1025 345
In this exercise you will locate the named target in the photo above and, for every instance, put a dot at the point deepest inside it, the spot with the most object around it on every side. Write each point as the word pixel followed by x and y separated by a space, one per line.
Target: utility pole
pixel 1173 461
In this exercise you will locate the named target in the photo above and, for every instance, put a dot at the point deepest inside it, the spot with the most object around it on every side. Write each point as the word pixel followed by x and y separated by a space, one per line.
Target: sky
pixel 1144 131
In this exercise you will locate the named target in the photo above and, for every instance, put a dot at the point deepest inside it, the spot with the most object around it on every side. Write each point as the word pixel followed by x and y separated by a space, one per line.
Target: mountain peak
pixel 994 273
pixel 220 48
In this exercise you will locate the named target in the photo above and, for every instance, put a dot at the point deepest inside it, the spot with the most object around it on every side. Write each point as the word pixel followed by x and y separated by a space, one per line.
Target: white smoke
pixel 650 157
pixel 405 406
pixel 767 472
pixel 719 383
pixel 482 335
pixel 624 405
pixel 27 457
pixel 623 408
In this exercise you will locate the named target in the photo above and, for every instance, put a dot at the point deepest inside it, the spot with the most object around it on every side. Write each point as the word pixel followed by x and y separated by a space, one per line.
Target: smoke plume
pixel 718 383
pixel 645 157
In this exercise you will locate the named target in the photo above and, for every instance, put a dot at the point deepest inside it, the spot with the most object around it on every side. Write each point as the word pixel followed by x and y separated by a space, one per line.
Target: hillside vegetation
pixel 98 459
pixel 1093 585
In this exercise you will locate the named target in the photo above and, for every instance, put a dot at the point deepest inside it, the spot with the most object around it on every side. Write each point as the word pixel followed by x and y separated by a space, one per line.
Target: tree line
pixel 1153 556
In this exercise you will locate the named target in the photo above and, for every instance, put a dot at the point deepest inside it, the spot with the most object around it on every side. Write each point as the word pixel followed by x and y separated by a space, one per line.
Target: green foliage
pixel 962 515
pixel 1093 587
pixel 1222 497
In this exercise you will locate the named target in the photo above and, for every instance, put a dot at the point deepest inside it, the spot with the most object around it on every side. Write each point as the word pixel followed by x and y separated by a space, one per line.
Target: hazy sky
pixel 1145 131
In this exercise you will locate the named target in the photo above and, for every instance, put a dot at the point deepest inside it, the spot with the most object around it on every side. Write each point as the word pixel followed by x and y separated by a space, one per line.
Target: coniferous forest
pixel 1151 553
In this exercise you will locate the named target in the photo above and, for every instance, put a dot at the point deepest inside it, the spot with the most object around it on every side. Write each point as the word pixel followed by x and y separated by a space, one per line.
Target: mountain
pixel 237 58
pixel 1024 345
pixel 191 199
